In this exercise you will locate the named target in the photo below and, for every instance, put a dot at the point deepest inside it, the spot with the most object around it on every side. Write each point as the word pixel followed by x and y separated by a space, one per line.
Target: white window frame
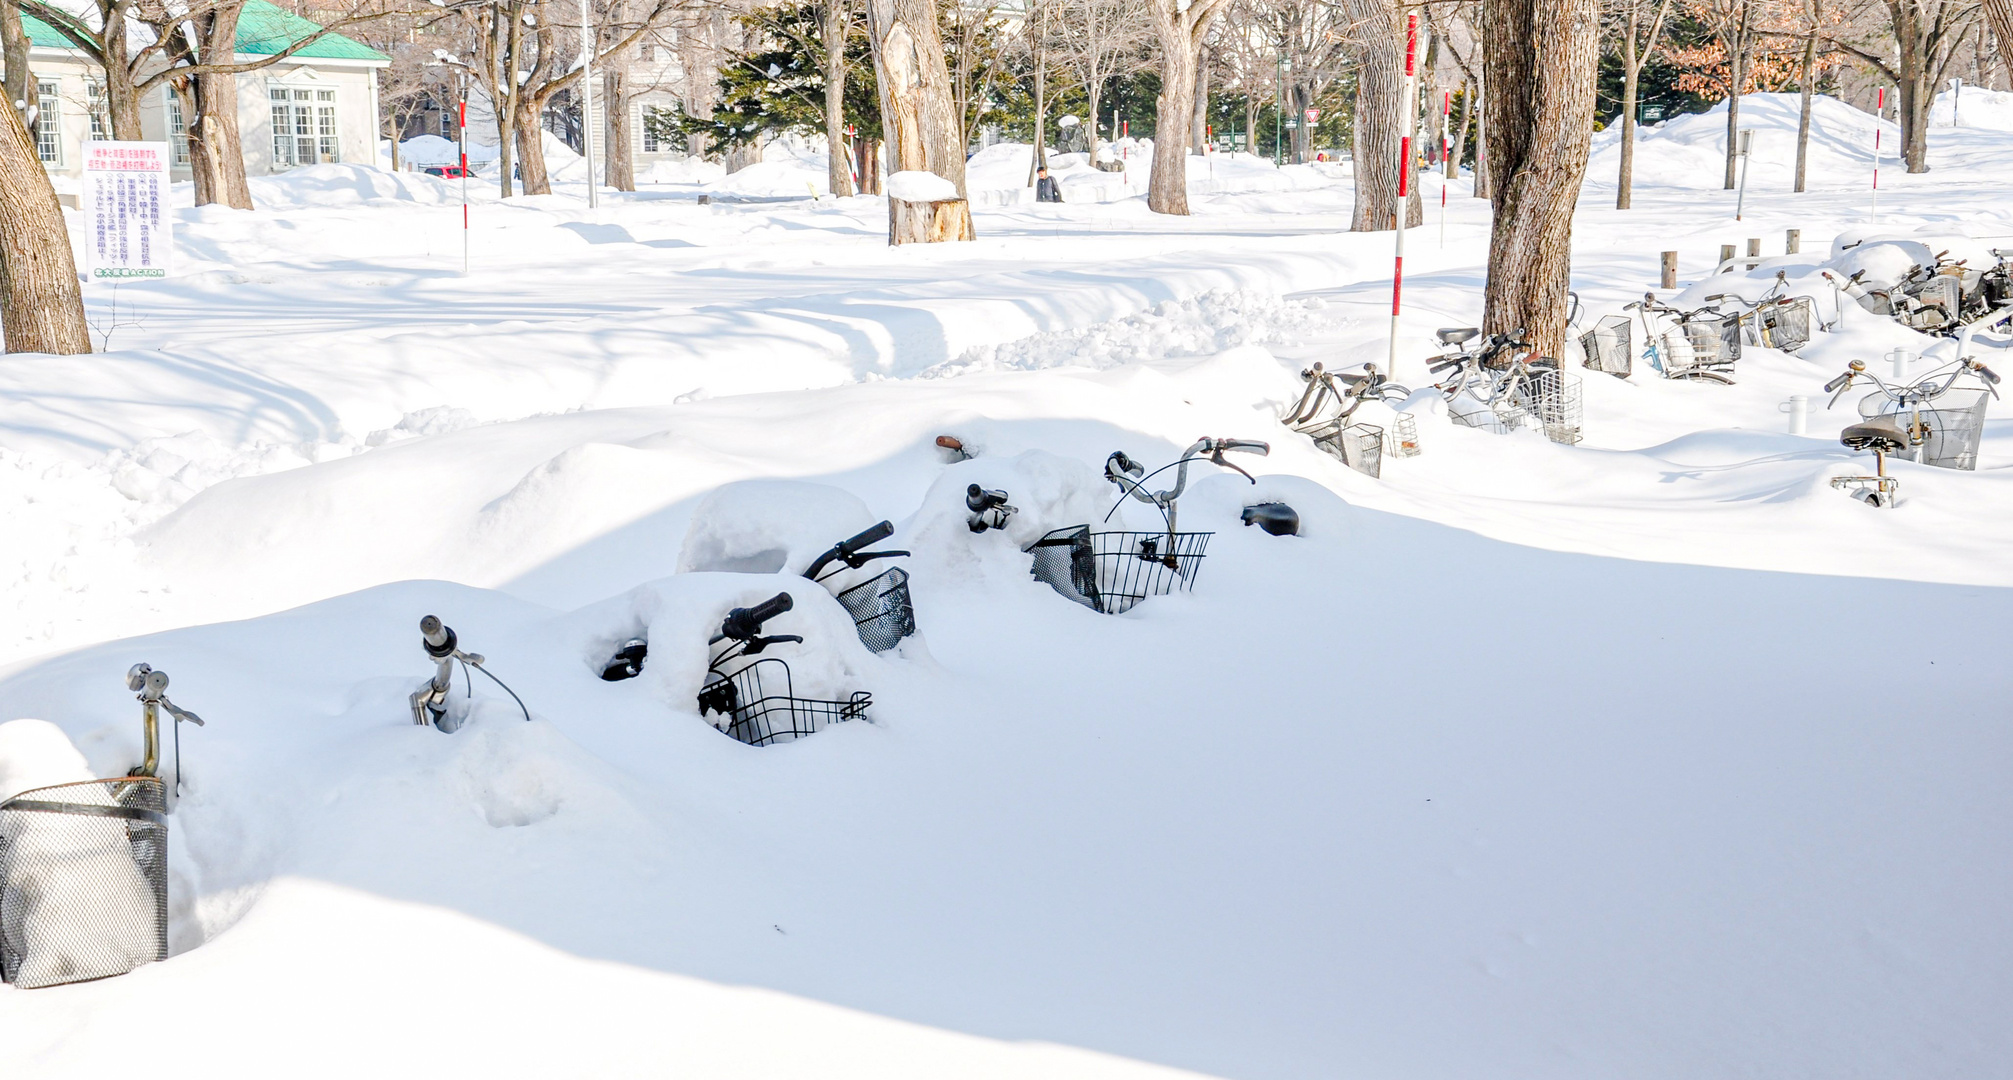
pixel 177 124
pixel 306 126
pixel 49 121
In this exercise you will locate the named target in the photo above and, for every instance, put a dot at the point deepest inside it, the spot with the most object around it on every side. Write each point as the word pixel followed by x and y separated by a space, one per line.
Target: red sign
pixel 1313 115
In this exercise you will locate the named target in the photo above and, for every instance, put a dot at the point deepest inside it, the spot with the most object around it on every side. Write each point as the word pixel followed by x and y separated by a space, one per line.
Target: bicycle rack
pixel 1110 572
pixel 754 712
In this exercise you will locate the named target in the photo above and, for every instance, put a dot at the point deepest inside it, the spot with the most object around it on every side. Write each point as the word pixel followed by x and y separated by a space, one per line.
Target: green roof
pixel 262 31
pixel 41 33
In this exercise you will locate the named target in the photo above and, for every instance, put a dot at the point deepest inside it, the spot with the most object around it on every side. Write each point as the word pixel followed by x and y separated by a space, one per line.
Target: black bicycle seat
pixel 1456 335
pixel 1881 434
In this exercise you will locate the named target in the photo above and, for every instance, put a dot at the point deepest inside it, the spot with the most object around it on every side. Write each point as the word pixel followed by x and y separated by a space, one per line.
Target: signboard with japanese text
pixel 127 228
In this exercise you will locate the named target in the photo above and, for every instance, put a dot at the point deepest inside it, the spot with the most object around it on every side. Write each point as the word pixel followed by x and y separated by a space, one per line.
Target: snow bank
pixel 36 753
pixel 1973 107
pixel 788 169
pixel 327 186
pixel 1215 321
pixel 1689 151
pixel 915 186
pixel 425 150
pixel 769 526
pixel 682 170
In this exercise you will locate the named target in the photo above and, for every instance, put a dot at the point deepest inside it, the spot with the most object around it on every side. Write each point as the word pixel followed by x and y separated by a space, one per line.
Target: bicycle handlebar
pixel 745 623
pixel 1248 446
pixel 1838 383
pixel 979 500
pixel 848 550
pixel 439 637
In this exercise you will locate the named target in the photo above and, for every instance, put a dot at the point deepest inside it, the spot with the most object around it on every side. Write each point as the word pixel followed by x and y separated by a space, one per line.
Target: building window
pixel 304 127
pixel 178 127
pixel 448 130
pixel 49 121
pixel 94 100
pixel 643 53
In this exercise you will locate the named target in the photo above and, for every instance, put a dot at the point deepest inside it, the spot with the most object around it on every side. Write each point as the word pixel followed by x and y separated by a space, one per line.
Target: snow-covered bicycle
pixel 755 699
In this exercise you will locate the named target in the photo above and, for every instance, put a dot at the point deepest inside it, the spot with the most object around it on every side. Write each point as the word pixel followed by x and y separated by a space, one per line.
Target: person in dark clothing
pixel 1045 187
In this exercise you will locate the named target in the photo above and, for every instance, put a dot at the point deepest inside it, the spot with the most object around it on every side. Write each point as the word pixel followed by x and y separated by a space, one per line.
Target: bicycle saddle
pixel 1881 434
pixel 1455 335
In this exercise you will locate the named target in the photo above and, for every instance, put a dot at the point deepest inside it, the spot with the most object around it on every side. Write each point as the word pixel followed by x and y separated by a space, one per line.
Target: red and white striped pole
pixel 1406 119
pixel 1879 114
pixel 1446 149
pixel 463 123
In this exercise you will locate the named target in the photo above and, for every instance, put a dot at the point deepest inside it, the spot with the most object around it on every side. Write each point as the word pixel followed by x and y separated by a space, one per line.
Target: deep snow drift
pixel 1652 756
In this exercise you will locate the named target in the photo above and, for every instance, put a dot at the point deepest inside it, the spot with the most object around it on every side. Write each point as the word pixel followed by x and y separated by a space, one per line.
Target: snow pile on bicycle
pixel 1150 691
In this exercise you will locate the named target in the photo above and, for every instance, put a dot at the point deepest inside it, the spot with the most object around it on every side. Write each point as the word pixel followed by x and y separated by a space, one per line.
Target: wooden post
pixel 705 200
pixel 1725 254
pixel 1670 270
pixel 1754 247
pixel 1792 242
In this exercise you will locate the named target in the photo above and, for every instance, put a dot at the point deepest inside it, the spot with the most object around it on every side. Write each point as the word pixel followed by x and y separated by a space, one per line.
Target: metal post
pixel 1404 181
pixel 1746 146
pixel 1669 270
pixel 587 95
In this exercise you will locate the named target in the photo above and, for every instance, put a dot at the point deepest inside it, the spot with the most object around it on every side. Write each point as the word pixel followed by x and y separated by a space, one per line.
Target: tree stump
pixel 934 222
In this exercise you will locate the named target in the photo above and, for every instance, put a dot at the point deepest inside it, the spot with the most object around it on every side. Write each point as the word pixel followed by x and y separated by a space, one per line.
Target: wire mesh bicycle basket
pixel 1781 324
pixel 1401 439
pixel 1947 436
pixel 881 610
pixel 1707 344
pixel 1609 346
pixel 1359 446
pixel 1471 412
pixel 1556 405
pixel 760 707
pixel 1112 571
pixel 83 881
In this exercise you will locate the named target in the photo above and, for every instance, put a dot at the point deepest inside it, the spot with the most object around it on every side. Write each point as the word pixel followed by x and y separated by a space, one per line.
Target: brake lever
pixel 757 644
pixel 862 558
pixel 1217 459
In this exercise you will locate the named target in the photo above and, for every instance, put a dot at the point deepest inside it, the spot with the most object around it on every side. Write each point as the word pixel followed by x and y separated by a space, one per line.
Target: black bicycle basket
pixel 881 610
pixel 83 881
pixel 760 709
pixel 1112 571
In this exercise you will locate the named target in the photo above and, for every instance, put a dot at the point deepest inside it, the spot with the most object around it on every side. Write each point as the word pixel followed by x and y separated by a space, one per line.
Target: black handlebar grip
pixel 1837 382
pixel 746 622
pixel 978 500
pixel 873 535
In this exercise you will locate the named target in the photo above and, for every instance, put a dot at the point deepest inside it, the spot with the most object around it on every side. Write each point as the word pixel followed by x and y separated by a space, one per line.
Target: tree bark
pixel 1999 15
pixel 14 55
pixel 1457 147
pixel 41 305
pixel 926 132
pixel 620 141
pixel 1180 28
pixel 1198 129
pixel 832 27
pixel 1803 112
pixel 1626 177
pixel 1541 59
pixel 1485 186
pixel 216 152
pixel 530 139
pixel 1737 41
pixel 1039 160
pixel 1377 141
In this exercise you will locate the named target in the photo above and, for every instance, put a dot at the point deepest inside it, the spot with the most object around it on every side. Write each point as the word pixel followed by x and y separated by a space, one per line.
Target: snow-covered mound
pixel 348 185
pixel 1689 151
pixel 1973 107
pixel 425 150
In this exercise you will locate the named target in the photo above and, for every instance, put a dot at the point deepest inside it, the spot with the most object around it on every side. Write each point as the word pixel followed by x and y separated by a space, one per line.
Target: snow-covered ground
pixel 1653 756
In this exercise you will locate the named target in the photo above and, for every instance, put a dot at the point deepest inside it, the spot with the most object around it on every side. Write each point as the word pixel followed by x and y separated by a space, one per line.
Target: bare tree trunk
pixel 41 306
pixel 1167 188
pixel 1805 77
pixel 1039 160
pixel 122 96
pixel 1485 186
pixel 1999 15
pixel 1377 146
pixel 530 138
pixel 1250 125
pixel 14 56
pixel 619 126
pixel 927 134
pixel 1457 147
pixel 216 154
pixel 1094 93
pixel 1631 81
pixel 1198 129
pixel 1737 42
pixel 1541 58
pixel 833 29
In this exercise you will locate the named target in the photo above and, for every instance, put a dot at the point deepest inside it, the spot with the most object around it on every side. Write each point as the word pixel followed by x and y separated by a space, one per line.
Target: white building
pixel 318 105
